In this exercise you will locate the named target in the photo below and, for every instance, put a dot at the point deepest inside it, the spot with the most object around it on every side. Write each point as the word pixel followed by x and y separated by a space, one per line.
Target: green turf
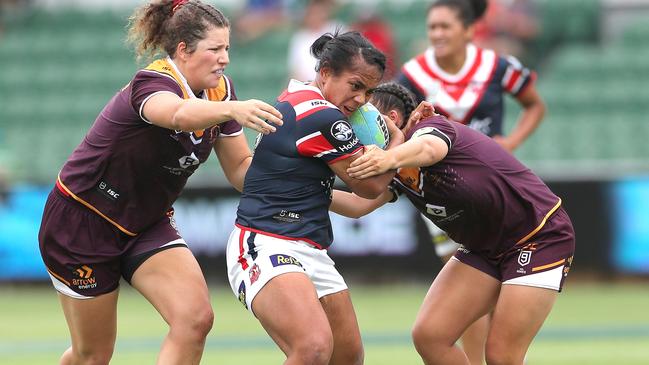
pixel 591 324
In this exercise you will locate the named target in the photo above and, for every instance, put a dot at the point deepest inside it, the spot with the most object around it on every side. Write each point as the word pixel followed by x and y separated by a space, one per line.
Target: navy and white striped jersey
pixel 287 190
pixel 474 96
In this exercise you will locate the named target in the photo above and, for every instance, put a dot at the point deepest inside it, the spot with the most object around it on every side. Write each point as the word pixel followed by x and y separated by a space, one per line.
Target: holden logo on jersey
pixel 188 161
pixel 436 210
pixel 342 131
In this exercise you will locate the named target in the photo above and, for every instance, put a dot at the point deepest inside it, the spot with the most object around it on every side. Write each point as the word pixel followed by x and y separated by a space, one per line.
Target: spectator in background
pixel 261 16
pixel 507 27
pixel 378 31
pixel 316 21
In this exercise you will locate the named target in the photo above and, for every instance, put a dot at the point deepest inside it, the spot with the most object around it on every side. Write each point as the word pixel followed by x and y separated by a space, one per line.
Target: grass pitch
pixel 594 324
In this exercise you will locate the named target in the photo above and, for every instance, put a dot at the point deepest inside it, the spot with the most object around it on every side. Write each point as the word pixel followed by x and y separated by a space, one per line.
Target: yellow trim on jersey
pixel 89 206
pixel 548 265
pixel 163 66
pixel 529 235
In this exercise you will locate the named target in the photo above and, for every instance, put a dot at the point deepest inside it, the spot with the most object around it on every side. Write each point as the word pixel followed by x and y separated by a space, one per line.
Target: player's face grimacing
pixel 446 32
pixel 351 88
pixel 205 66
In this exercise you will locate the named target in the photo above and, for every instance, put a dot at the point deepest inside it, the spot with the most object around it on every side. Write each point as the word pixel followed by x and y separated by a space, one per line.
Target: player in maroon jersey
pixel 468 84
pixel 517 242
pixel 110 214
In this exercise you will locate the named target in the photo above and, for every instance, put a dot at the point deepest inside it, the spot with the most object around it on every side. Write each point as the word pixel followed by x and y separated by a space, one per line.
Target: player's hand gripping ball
pixel 369 126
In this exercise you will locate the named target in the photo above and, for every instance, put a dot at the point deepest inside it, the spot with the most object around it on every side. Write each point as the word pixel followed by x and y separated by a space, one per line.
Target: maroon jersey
pixel 482 196
pixel 130 171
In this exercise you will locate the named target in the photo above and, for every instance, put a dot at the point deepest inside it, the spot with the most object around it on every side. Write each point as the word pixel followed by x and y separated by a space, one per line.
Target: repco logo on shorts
pixel 279 260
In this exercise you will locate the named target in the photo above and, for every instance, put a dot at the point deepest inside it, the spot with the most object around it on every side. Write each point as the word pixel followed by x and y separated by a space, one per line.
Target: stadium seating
pixel 60 69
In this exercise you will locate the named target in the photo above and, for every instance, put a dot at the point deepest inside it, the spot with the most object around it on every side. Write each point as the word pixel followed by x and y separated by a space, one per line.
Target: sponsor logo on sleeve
pixel 280 260
pixel 342 131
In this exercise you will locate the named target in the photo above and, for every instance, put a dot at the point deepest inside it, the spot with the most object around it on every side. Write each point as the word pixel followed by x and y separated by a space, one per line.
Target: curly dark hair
pixel 158 27
pixel 391 95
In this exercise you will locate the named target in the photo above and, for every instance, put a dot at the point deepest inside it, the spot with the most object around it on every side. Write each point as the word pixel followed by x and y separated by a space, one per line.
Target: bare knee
pixel 423 338
pixel 194 323
pixel 349 353
pixel 499 353
pixel 315 349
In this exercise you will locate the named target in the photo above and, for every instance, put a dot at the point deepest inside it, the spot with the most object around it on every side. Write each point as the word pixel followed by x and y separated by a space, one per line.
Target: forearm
pixel 353 206
pixel 527 123
pixel 237 176
pixel 197 114
pixel 414 153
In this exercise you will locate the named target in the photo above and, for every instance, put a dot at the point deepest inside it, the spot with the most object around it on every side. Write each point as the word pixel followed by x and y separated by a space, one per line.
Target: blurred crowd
pixel 508 27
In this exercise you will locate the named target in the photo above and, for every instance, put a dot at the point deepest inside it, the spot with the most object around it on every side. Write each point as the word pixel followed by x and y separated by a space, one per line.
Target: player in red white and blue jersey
pixel 110 214
pixel 466 83
pixel 278 265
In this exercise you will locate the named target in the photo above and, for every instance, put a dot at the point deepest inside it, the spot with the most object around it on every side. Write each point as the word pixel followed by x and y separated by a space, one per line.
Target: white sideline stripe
pixel 550 279
pixel 65 290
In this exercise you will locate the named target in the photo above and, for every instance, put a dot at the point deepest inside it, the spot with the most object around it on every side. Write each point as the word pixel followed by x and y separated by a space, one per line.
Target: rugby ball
pixel 369 126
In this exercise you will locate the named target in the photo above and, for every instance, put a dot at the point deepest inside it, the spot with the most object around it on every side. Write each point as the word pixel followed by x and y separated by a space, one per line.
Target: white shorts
pixel 444 245
pixel 254 258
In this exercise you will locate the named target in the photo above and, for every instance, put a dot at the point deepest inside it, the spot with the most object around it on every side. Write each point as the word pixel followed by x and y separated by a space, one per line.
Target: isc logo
pixel 108 191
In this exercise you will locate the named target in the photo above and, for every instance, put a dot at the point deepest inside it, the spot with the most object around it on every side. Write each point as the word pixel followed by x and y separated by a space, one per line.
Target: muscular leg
pixel 519 314
pixel 348 347
pixel 92 344
pixel 474 340
pixel 475 337
pixel 288 308
pixel 459 296
pixel 173 282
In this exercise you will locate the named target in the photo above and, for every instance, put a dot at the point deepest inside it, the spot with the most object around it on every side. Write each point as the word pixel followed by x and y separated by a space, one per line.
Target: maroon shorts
pixel 86 255
pixel 543 261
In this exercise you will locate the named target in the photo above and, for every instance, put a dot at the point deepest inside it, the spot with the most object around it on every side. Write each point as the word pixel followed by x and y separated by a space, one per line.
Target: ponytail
pixel 159 26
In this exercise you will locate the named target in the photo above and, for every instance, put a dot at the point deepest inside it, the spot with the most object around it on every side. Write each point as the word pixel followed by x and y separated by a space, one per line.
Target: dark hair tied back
pixel 469 11
pixel 339 51
pixel 391 95
pixel 159 26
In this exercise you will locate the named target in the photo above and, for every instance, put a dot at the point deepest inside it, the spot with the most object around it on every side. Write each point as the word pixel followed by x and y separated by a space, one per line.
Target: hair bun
pixel 319 44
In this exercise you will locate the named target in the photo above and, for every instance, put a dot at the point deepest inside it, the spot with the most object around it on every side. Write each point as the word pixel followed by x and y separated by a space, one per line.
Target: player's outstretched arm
pixel 353 206
pixel 168 110
pixel 425 150
pixel 369 188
